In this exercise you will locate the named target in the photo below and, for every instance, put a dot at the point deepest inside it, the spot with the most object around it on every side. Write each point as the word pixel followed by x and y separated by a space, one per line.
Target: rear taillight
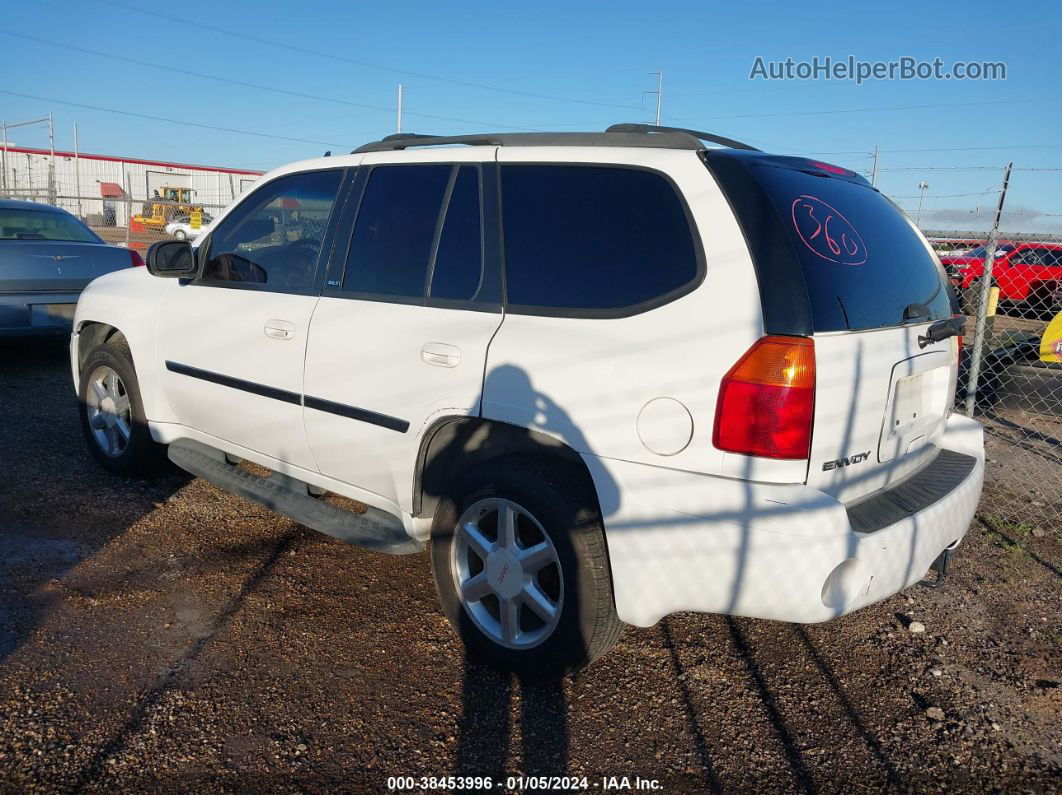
pixel 135 260
pixel 767 400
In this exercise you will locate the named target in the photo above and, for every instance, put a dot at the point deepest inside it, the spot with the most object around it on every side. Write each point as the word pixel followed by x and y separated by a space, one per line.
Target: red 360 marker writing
pixel 827 232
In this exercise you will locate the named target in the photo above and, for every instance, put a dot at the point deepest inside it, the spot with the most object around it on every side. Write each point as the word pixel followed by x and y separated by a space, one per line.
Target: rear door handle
pixel 440 354
pixel 279 329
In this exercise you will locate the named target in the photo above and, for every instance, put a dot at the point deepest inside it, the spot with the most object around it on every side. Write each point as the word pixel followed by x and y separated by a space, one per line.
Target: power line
pixel 977 148
pixel 199 26
pixel 847 110
pixel 942 168
pixel 948 195
pixel 171 121
pixel 246 84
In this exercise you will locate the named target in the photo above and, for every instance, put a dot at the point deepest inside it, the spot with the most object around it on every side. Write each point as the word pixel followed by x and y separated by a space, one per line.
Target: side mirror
pixel 172 259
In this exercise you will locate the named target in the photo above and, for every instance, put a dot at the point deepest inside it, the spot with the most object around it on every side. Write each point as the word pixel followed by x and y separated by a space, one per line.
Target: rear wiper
pixel 942 329
pixel 913 312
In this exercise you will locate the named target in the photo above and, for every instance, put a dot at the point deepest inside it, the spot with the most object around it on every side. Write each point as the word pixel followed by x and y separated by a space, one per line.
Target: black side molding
pixel 946 471
pixel 235 383
pixel 318 404
pixel 354 413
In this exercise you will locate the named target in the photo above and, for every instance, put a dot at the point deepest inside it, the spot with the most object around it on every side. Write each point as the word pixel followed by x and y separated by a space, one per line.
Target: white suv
pixel 609 376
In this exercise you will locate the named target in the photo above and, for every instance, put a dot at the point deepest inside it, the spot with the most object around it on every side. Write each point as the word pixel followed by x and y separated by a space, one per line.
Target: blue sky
pixel 512 65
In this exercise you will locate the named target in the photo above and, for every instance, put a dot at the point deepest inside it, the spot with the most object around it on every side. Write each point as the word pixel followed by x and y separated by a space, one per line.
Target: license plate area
pixel 916 406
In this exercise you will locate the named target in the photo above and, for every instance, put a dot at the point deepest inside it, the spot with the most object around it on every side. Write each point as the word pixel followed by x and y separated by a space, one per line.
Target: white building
pixel 106 186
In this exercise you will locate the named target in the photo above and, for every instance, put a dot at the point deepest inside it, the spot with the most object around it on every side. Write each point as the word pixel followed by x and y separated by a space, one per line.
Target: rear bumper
pixel 680 541
pixel 35 331
pixel 26 314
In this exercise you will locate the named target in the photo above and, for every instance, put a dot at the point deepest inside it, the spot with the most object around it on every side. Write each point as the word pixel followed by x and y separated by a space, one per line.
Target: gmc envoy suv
pixel 605 376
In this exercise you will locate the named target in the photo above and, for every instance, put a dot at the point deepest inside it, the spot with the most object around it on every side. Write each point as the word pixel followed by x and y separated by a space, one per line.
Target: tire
pixel 112 413
pixel 180 234
pixel 552 509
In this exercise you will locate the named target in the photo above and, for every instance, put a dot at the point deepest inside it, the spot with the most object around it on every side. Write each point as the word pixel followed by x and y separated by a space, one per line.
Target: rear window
pixel 863 264
pixel 43 225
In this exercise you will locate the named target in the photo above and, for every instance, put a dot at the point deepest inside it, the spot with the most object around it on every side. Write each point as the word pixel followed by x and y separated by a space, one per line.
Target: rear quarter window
pixel 594 240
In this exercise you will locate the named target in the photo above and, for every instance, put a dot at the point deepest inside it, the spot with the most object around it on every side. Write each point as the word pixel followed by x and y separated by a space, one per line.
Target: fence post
pixel 981 319
pixel 3 170
pixel 129 206
pixel 77 176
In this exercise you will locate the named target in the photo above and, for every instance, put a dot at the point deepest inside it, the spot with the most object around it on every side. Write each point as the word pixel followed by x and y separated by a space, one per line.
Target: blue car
pixel 47 257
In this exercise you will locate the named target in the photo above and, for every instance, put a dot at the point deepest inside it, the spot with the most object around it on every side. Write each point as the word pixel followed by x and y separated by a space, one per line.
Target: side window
pixel 593 237
pixel 1045 257
pixel 457 273
pixel 1033 256
pixel 390 250
pixel 1023 256
pixel 274 237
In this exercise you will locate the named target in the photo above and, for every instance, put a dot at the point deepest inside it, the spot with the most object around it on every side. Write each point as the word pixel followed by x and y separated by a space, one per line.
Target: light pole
pixel 922 186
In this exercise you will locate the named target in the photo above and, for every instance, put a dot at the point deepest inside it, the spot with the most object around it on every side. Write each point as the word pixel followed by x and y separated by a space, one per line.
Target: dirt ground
pixel 165 636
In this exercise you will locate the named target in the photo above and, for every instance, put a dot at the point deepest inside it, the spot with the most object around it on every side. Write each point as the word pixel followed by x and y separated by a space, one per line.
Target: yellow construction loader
pixel 167 202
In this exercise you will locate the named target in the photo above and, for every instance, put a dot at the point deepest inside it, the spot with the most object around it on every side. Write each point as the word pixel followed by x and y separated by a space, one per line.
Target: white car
pixel 608 376
pixel 181 227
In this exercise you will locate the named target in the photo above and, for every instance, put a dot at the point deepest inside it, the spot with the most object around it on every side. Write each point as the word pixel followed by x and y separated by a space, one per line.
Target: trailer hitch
pixel 941 566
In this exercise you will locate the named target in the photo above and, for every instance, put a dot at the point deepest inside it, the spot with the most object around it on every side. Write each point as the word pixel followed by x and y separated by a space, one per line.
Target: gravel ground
pixel 166 636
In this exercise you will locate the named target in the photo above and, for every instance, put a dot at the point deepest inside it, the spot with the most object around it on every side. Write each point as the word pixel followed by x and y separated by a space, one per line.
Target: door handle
pixel 279 329
pixel 440 354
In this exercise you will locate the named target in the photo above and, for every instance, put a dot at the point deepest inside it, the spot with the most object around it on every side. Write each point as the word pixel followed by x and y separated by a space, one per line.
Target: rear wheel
pixel 180 234
pixel 519 560
pixel 112 412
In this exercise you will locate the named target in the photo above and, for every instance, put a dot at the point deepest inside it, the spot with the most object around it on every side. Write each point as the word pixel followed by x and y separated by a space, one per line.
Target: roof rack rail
pixel 730 143
pixel 632 135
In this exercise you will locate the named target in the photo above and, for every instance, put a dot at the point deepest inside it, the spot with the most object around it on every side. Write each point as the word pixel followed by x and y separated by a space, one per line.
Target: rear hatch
pixel 839 262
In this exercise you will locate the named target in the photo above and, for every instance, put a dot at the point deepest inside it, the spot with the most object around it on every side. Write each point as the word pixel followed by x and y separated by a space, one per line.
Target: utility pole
pixel 981 321
pixel 874 170
pixel 77 174
pixel 659 92
pixel 399 107
pixel 921 195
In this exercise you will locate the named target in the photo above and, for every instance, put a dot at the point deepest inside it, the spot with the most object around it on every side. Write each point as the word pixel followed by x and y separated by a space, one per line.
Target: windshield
pixel 19 224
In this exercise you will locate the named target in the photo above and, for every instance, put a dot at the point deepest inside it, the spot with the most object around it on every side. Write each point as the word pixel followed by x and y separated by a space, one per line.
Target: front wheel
pixel 180 234
pixel 112 412
pixel 520 564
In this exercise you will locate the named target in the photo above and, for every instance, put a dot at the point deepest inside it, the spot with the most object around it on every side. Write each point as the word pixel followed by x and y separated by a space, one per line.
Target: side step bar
pixel 374 529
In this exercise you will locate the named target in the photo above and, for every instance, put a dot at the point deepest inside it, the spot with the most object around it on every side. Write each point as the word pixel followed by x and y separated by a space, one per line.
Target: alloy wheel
pixel 507 573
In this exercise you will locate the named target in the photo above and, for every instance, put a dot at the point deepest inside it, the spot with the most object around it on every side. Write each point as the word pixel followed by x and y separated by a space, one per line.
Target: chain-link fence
pixel 1009 286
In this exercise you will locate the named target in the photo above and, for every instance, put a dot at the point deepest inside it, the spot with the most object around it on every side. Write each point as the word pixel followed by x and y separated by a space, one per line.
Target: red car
pixel 1027 273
